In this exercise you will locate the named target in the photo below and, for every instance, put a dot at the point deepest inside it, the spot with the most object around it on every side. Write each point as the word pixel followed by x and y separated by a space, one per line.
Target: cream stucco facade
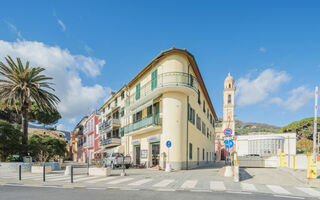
pixel 167 101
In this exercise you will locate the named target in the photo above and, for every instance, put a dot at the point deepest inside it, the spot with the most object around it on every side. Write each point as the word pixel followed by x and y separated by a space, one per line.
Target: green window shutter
pixel 138 91
pixel 134 118
pixel 194 117
pixel 154 82
pixel 191 80
pixel 190 151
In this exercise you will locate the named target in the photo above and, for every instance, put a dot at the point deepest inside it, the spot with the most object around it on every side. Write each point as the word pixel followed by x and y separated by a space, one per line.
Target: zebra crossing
pixel 156 183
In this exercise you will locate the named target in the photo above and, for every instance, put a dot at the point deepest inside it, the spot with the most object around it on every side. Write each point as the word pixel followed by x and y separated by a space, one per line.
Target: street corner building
pixel 166 101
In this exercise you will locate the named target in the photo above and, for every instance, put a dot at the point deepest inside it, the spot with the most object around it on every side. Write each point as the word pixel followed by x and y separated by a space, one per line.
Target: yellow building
pixel 166 101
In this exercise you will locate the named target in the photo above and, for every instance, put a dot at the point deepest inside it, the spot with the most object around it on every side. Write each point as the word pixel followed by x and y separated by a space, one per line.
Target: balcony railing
pixel 108 141
pixel 165 80
pixel 145 122
pixel 108 123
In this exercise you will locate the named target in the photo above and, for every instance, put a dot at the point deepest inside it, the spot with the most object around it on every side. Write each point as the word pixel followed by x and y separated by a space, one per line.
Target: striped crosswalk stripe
pixel 84 178
pixel 189 184
pixel 248 187
pixel 120 181
pixel 141 182
pixel 278 189
pixel 310 191
pixel 163 183
pixel 100 179
pixel 217 185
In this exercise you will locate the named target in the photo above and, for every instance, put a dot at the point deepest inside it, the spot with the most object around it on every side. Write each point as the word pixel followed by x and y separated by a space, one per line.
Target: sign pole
pixel 315 125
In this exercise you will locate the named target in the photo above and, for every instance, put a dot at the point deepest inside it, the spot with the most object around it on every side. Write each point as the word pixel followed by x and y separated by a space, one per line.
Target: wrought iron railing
pixel 145 122
pixel 113 140
pixel 165 80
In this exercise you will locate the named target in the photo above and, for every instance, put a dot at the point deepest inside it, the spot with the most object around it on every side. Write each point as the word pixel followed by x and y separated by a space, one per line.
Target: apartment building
pixel 76 142
pixel 90 143
pixel 166 101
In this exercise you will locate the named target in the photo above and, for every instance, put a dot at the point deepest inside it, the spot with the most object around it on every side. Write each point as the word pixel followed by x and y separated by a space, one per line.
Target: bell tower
pixel 228 103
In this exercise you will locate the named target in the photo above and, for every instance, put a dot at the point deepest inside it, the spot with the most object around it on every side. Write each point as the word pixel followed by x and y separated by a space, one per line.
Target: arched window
pixel 229 98
pixel 229 85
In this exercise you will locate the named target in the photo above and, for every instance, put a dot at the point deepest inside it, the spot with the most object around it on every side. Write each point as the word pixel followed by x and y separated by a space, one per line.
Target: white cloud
pixel 262 49
pixel 252 91
pixel 63 27
pixel 296 99
pixel 62 127
pixel 14 29
pixel 76 98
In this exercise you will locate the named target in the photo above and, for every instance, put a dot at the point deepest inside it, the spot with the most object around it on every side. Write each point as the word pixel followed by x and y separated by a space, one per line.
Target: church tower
pixel 228 103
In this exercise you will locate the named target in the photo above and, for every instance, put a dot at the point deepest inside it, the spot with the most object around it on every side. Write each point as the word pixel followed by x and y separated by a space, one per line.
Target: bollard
pixel 44 172
pixel 294 162
pixel 71 172
pixel 19 172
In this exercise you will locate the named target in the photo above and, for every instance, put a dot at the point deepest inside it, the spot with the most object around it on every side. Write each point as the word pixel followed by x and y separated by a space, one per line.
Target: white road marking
pixel 248 187
pixel 217 185
pixel 141 182
pixel 84 179
pixel 120 181
pixel 90 188
pixel 310 191
pixel 235 192
pixel 289 197
pixel 189 184
pixel 163 183
pixel 278 189
pixel 100 180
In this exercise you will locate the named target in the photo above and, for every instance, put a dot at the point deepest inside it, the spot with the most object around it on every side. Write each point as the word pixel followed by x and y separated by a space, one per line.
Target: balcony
pixel 165 82
pixel 152 121
pixel 108 125
pixel 110 142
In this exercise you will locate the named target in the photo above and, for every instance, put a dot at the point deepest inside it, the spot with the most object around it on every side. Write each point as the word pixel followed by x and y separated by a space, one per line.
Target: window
pixel 207 132
pixel 202 154
pixel 104 110
pixel 210 119
pixel 154 81
pixel 108 106
pixel 229 85
pixel 137 116
pixel 149 111
pixel 116 101
pixel 207 113
pixel 191 80
pixel 199 99
pixel 198 122
pixel 190 151
pixel 122 112
pixel 122 95
pixel 191 114
pixel 207 157
pixel 203 128
pixel 229 98
pixel 204 106
pixel 138 91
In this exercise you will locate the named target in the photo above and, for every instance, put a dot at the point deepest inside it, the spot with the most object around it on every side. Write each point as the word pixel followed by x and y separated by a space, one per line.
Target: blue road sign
pixel 227 131
pixel 168 143
pixel 228 144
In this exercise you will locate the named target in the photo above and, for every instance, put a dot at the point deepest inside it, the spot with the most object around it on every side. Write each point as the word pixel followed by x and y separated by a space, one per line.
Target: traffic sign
pixel 228 144
pixel 228 137
pixel 227 131
pixel 168 144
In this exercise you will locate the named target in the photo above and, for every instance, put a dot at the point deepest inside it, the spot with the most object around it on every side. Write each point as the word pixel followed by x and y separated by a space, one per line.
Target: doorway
pixel 137 154
pixel 155 153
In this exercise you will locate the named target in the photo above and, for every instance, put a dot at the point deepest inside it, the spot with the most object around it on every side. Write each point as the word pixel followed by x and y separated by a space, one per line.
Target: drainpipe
pixel 187 149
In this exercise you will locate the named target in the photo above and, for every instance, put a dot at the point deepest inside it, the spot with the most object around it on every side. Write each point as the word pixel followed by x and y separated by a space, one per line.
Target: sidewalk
pixel 301 175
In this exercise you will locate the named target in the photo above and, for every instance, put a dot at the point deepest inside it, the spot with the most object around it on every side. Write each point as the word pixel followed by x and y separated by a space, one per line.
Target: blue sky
pixel 272 48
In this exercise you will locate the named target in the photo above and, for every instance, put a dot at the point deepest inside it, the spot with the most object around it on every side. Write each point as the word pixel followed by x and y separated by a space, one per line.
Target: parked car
pixel 115 160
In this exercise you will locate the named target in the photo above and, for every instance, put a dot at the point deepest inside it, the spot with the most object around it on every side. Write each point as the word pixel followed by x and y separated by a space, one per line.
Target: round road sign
pixel 228 144
pixel 227 131
pixel 168 143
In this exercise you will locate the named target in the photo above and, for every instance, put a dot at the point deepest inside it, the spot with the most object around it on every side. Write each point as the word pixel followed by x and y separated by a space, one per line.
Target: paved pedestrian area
pixel 202 180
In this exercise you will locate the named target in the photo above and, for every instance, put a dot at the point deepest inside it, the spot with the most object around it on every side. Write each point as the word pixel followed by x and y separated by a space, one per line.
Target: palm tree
pixel 19 85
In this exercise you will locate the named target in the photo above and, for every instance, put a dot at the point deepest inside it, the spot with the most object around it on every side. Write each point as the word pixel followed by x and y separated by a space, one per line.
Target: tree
pixel 23 84
pixel 304 146
pixel 42 117
pixel 44 148
pixel 303 128
pixel 10 140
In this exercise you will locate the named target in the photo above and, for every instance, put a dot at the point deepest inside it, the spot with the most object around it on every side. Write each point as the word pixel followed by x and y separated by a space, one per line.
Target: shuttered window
pixel 154 82
pixel 138 91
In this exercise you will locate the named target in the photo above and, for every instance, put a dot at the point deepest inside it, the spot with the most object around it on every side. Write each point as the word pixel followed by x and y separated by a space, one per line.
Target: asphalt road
pixel 37 193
